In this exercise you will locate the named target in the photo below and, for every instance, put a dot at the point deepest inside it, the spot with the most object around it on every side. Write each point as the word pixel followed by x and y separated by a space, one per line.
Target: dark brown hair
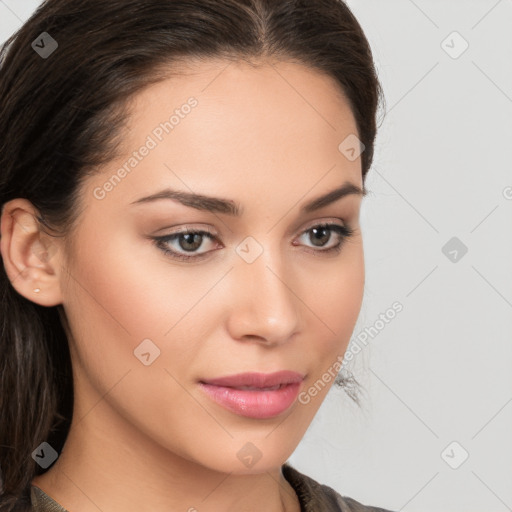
pixel 61 117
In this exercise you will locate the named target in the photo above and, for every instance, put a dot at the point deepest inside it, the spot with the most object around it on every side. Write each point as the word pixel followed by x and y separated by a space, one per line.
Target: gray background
pixel 440 371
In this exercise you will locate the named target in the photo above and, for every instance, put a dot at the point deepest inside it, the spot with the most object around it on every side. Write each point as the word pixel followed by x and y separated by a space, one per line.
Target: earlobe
pixel 30 255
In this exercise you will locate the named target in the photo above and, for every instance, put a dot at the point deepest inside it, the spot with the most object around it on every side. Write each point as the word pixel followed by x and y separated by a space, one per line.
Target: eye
pixel 185 241
pixel 321 234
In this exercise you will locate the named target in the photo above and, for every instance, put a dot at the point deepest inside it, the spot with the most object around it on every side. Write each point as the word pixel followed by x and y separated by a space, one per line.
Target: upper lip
pixel 257 380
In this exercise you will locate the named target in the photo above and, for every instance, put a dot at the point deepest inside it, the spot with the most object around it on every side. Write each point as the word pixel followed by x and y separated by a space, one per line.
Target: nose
pixel 264 306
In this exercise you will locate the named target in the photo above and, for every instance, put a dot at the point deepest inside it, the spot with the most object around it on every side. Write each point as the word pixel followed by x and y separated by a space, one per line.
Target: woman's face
pixel 262 291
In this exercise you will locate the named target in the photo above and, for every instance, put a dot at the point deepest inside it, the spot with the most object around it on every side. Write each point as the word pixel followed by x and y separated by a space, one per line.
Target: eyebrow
pixel 229 207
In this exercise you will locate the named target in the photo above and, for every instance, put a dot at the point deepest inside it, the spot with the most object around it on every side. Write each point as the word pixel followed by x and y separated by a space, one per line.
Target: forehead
pixel 262 87
pixel 217 124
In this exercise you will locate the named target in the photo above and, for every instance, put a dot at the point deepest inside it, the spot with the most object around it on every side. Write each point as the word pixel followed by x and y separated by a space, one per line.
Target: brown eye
pixel 184 242
pixel 322 234
pixel 190 241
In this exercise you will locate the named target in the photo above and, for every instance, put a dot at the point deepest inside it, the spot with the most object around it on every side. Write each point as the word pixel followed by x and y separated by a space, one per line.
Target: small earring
pixel 37 290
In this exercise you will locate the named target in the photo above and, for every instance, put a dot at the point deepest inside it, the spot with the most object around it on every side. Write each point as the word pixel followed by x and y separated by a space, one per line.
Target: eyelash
pixel 160 241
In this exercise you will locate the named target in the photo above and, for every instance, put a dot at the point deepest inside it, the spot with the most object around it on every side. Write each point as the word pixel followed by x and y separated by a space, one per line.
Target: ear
pixel 31 257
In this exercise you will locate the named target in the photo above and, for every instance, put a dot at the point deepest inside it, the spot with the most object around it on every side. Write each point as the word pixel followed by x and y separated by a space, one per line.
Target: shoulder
pixel 315 497
pixel 41 502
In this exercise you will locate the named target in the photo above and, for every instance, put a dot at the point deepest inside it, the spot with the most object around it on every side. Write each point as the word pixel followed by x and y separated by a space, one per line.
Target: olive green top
pixel 313 497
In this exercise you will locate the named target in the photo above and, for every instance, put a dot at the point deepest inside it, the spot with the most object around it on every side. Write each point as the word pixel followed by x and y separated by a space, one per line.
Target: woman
pixel 182 258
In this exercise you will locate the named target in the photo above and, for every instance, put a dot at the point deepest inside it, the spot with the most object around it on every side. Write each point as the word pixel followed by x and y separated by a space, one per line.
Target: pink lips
pixel 255 395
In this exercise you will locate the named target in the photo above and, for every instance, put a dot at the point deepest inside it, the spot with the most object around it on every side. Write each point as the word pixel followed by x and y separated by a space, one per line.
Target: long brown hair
pixel 61 116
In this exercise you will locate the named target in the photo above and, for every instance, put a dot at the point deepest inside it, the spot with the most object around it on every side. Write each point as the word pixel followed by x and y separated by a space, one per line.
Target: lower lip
pixel 252 403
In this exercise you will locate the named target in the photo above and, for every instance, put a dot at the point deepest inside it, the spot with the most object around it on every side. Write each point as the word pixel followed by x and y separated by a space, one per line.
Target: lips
pixel 257 380
pixel 254 395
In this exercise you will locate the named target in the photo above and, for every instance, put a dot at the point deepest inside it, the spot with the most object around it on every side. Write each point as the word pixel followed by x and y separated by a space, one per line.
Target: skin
pixel 146 437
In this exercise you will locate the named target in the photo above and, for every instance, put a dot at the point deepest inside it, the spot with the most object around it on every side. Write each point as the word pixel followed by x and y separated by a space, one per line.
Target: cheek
pixel 335 299
pixel 124 294
pixel 336 295
pixel 130 287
